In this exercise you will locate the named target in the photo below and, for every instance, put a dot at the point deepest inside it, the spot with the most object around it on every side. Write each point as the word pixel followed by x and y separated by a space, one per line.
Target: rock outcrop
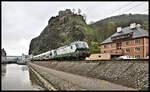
pixel 61 30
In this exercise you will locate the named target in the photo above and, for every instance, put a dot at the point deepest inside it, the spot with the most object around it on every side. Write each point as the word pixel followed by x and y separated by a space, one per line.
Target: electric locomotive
pixel 76 50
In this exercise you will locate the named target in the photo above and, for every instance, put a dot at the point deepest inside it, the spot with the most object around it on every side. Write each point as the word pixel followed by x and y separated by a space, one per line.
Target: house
pixel 129 41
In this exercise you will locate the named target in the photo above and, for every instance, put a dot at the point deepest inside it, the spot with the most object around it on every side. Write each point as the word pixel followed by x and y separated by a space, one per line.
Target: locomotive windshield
pixel 82 45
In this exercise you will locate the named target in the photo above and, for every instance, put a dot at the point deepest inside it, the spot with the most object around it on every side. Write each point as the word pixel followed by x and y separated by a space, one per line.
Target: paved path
pixel 82 81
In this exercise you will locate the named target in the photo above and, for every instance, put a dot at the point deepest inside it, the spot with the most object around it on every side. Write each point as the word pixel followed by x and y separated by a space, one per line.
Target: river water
pixel 17 77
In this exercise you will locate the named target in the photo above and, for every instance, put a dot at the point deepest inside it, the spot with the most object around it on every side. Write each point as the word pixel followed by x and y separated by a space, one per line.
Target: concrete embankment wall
pixel 46 84
pixel 133 74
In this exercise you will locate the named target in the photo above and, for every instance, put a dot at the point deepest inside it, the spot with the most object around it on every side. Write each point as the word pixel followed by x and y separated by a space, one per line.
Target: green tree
pixel 94 47
pixel 145 26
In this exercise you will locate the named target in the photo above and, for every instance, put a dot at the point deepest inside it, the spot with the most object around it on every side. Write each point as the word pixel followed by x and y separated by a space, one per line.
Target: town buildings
pixel 129 41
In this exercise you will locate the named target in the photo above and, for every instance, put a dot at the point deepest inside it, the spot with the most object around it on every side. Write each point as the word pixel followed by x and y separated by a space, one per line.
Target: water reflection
pixel 16 77
pixel 24 68
pixel 33 79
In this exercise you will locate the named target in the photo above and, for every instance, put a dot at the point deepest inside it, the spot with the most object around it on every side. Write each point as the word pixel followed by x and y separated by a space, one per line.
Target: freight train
pixel 77 50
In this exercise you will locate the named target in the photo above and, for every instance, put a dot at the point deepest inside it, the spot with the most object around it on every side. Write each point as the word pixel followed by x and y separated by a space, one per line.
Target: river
pixel 17 77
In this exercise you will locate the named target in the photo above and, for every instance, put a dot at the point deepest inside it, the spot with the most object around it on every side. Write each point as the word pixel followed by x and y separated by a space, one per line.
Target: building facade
pixel 129 41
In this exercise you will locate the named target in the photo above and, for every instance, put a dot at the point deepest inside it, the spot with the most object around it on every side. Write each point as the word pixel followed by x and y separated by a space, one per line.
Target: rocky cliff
pixel 61 30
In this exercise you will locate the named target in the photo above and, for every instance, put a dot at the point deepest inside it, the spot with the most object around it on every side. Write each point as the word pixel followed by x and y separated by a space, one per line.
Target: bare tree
pixel 84 15
pixel 73 10
pixel 79 11
pixel 91 22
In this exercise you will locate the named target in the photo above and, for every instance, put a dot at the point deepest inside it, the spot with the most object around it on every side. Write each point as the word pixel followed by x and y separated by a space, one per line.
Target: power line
pixel 134 7
pixel 146 10
pixel 121 7
pixel 129 8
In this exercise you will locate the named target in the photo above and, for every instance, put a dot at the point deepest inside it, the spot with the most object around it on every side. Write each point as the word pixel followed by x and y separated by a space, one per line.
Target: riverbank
pixel 17 77
pixel 129 74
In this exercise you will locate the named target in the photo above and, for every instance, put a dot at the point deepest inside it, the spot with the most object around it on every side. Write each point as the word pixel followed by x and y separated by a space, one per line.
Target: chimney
pixel 132 25
pixel 118 29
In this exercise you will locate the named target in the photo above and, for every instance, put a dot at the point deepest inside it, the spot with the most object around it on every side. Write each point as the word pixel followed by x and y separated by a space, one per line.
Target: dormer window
pixel 104 45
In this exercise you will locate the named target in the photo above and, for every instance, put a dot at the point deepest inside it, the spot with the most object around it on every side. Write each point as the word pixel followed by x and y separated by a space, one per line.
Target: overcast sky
pixel 22 21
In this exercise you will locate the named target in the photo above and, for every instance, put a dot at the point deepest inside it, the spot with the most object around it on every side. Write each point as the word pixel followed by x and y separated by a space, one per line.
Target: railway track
pixel 93 61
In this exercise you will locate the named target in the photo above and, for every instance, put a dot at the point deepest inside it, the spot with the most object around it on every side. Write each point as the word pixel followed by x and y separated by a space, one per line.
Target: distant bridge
pixel 12 59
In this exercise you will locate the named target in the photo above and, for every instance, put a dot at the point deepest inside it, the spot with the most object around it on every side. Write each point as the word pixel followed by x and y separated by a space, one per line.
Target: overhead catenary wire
pixel 145 10
pixel 134 6
pixel 121 8
pixel 127 9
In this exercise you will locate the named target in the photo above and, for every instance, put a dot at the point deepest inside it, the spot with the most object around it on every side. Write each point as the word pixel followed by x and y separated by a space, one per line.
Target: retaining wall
pixel 127 73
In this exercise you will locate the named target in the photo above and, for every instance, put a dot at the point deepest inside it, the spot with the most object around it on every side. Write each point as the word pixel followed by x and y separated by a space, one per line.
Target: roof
pixel 137 33
pixel 77 42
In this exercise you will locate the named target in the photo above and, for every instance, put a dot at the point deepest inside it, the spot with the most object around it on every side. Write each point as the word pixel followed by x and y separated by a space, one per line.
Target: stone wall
pixel 46 84
pixel 127 73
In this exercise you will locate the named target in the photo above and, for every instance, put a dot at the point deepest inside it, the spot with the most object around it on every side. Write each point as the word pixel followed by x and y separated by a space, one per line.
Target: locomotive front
pixel 82 49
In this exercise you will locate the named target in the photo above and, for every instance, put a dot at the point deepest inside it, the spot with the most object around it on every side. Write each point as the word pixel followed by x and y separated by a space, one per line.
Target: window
pixel 127 50
pixel 137 56
pixel 119 45
pixel 55 52
pixel 111 45
pixel 137 41
pixel 71 47
pixel 111 51
pixel 104 45
pixel 125 36
pixel 127 43
pixel 104 51
pixel 50 53
pixel 137 49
